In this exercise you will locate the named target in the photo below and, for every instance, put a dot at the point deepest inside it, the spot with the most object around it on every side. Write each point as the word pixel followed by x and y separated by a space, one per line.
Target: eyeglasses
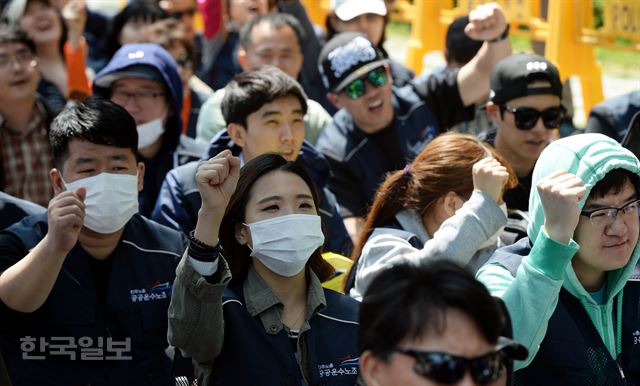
pixel 376 77
pixel 187 12
pixel 447 368
pixel 144 99
pixel 527 117
pixel 606 216
pixel 24 58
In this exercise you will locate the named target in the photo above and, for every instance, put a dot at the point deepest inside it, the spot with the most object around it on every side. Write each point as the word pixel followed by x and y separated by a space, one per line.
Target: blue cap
pixel 130 61
pixel 149 61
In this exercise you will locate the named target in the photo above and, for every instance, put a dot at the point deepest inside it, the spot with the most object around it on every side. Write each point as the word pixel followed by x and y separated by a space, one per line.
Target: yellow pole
pixel 427 33
pixel 316 10
pixel 570 55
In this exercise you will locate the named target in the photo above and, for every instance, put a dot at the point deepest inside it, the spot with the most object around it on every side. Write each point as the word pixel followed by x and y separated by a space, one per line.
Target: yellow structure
pixel 572 56
pixel 568 31
pixel 316 10
pixel 342 266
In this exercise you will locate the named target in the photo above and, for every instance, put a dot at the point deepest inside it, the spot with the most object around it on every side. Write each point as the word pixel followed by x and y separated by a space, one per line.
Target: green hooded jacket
pixel 531 297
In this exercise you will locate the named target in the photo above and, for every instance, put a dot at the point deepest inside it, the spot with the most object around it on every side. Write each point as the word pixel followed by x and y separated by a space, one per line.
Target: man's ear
pixel 141 170
pixel 242 236
pixel 371 369
pixel 333 98
pixel 242 59
pixel 493 112
pixel 451 203
pixel 56 181
pixel 238 134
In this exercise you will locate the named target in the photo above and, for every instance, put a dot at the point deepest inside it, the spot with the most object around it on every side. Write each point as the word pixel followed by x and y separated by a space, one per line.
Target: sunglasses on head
pixel 376 77
pixel 527 117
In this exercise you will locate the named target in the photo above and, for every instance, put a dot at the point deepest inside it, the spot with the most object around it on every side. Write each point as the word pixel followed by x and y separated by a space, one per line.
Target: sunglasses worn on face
pixel 376 77
pixel 187 12
pixel 527 117
pixel 448 369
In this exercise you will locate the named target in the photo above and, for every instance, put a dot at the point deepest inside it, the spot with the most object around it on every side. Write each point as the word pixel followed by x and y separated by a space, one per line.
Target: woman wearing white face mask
pixel 247 303
pixel 446 204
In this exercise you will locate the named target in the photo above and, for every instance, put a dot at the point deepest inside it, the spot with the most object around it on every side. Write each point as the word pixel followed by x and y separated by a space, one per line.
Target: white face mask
pixel 111 200
pixel 491 241
pixel 149 132
pixel 284 244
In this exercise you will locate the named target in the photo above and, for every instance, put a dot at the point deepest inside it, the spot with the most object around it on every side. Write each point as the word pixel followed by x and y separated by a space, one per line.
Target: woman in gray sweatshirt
pixel 446 204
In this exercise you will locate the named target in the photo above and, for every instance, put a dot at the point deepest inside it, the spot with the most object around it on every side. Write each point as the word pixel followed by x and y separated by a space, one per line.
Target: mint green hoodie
pixel 531 297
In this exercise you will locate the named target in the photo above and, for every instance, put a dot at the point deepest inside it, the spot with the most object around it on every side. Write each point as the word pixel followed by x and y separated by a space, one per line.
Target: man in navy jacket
pixel 380 128
pixel 85 287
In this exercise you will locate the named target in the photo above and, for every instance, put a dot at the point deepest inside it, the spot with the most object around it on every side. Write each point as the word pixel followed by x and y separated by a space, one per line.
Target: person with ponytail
pixel 446 204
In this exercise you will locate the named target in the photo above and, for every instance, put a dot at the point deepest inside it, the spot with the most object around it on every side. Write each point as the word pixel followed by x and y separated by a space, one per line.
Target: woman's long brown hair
pixel 444 165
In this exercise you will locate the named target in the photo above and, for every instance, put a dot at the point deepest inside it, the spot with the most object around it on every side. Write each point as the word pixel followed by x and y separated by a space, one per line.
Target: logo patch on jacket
pixel 154 291
pixel 340 367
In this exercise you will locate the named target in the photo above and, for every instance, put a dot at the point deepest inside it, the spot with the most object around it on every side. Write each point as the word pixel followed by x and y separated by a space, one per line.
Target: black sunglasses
pixel 527 117
pixel 187 12
pixel 447 368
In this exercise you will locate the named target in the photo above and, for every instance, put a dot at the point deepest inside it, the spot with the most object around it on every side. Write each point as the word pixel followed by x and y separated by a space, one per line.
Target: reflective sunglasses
pixel 376 77
pixel 449 369
pixel 606 216
pixel 527 117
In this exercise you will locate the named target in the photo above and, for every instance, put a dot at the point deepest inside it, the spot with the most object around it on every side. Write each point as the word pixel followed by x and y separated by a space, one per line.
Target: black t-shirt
pixel 101 271
pixel 518 197
pixel 389 143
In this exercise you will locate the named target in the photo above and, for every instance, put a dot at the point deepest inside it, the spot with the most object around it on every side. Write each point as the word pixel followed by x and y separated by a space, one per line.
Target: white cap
pixel 346 10
pixel 14 11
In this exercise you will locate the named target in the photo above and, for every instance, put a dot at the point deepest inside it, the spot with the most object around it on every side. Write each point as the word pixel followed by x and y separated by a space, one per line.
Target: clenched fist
pixel 490 176
pixel 560 193
pixel 66 216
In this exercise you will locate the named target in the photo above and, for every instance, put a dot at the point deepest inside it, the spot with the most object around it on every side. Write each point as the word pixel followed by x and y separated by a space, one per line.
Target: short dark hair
pixel 459 46
pixel 276 20
pixel 408 300
pixel 96 120
pixel 239 256
pixel 136 10
pixel 613 182
pixel 11 34
pixel 247 92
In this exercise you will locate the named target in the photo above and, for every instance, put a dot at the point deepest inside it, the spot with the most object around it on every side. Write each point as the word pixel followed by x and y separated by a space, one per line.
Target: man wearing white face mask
pixel 91 273
pixel 144 80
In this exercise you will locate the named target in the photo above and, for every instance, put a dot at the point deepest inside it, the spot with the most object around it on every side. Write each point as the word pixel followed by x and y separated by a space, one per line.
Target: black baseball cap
pixel 347 57
pixel 512 76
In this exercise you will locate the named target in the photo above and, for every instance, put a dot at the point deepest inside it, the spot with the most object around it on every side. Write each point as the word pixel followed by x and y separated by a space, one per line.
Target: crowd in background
pixel 267 201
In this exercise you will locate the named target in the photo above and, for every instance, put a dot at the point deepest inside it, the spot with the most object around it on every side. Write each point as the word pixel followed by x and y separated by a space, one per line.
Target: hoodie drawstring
pixel 619 325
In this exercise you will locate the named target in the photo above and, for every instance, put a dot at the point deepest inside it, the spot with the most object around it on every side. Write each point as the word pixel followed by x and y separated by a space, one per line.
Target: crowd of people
pixel 272 202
